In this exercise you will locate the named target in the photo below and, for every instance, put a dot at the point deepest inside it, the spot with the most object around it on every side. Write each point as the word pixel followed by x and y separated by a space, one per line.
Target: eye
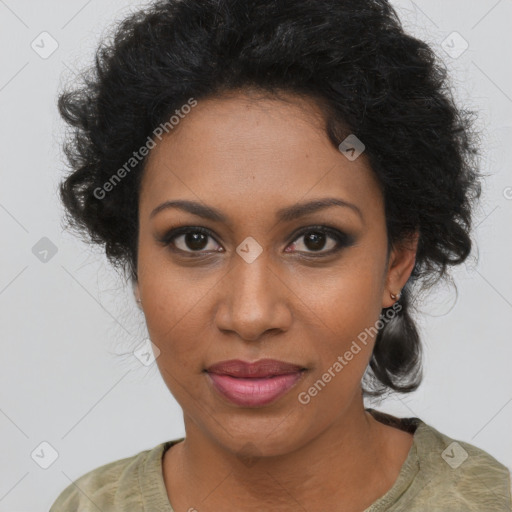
pixel 189 239
pixel 316 238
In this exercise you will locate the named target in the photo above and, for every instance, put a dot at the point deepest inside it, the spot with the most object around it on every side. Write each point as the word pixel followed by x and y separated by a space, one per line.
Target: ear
pixel 136 292
pixel 401 262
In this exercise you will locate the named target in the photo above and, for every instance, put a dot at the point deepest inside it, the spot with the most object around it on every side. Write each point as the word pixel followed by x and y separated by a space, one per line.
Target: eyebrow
pixel 284 214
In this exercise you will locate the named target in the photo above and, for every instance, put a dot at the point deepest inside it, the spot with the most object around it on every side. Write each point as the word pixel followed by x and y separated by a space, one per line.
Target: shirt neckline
pixel 151 479
pixel 411 466
pixel 154 492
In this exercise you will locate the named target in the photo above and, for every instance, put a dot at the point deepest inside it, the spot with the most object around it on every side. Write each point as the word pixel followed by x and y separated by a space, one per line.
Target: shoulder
pixel 459 475
pixel 115 484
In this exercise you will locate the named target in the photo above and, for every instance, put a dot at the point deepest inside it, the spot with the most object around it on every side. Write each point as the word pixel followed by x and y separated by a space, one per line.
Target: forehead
pixel 253 151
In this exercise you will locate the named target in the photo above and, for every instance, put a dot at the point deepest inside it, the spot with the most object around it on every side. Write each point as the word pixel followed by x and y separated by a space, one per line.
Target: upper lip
pixel 261 368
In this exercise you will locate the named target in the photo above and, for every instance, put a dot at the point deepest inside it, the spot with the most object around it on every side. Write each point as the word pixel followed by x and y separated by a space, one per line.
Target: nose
pixel 253 301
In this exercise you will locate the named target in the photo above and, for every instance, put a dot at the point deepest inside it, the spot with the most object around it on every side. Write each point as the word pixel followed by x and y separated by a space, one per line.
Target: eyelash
pixel 342 239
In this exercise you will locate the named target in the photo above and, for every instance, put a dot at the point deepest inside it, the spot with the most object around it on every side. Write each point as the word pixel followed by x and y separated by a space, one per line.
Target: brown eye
pixel 194 241
pixel 190 240
pixel 316 239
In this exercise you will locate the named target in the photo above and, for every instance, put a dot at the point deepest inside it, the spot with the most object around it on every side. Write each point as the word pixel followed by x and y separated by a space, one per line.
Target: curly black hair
pixel 352 57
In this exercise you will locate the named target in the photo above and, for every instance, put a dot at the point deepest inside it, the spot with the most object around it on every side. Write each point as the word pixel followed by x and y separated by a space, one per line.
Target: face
pixel 255 283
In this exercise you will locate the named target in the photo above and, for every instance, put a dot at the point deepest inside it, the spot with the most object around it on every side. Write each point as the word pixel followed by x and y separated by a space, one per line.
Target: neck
pixel 346 466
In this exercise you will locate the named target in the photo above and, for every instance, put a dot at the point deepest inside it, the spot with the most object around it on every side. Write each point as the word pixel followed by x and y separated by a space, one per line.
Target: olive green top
pixel 439 475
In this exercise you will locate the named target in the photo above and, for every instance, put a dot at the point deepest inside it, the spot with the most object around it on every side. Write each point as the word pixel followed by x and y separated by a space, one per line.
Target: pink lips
pixel 254 384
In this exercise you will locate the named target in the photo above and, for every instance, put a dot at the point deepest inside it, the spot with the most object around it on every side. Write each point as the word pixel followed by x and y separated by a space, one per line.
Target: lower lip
pixel 254 392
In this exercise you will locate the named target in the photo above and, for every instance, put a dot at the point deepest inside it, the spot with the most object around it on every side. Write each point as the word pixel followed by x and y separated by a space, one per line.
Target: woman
pixel 275 177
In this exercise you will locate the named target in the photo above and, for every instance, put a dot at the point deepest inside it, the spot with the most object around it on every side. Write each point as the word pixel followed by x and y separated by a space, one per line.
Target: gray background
pixel 69 324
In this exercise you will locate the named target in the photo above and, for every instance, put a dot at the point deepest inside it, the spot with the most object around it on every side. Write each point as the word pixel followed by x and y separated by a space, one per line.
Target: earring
pixel 139 301
pixel 397 296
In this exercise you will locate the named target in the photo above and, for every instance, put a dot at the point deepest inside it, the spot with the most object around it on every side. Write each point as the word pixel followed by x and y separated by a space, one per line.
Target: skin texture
pixel 249 158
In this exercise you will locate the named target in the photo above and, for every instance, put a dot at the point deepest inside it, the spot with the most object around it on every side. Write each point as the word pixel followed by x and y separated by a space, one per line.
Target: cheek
pixel 342 354
pixel 346 298
pixel 175 314
pixel 344 313
pixel 179 328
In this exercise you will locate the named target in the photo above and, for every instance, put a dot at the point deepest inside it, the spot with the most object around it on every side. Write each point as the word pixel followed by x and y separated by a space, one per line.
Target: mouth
pixel 254 384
